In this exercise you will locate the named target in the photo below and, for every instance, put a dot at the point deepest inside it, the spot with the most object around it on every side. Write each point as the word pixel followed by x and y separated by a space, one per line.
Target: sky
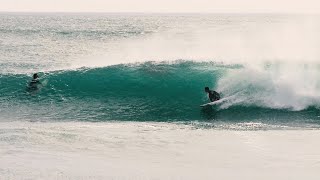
pixel 163 6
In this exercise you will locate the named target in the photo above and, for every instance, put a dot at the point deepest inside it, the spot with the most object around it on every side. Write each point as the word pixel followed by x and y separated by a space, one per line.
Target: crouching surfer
pixel 213 95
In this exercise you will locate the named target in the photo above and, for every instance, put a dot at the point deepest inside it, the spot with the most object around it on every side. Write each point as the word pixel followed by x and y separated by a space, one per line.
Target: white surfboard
pixel 217 102
pixel 213 103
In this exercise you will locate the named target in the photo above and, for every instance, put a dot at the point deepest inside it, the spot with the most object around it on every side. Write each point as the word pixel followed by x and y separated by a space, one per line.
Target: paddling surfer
pixel 34 83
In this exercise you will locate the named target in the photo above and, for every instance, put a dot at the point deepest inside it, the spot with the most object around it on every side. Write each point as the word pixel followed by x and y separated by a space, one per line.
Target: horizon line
pixel 137 12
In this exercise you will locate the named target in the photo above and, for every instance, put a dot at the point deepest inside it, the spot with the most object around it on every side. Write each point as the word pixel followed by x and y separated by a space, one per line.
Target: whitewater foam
pixel 275 85
pixel 135 150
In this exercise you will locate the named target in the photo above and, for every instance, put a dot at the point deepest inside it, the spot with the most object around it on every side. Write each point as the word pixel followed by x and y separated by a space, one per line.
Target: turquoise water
pixel 141 92
pixel 103 67
pixel 146 91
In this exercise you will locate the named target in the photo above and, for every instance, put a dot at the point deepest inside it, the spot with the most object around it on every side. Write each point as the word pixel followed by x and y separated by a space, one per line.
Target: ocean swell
pixel 167 91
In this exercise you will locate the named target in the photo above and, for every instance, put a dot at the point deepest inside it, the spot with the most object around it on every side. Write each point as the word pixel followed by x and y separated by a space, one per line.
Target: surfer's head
pixel 35 76
pixel 206 89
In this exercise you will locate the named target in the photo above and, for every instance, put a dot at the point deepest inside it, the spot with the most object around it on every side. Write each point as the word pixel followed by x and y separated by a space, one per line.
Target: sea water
pixel 120 90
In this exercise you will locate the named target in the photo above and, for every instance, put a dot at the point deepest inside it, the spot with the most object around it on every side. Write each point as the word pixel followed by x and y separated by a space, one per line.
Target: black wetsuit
pixel 214 96
pixel 33 85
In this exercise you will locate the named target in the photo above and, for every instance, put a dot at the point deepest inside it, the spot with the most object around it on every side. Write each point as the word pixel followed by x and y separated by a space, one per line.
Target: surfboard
pixel 213 103
pixel 224 99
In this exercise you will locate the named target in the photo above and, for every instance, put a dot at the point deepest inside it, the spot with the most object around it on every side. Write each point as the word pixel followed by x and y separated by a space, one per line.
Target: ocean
pixel 121 94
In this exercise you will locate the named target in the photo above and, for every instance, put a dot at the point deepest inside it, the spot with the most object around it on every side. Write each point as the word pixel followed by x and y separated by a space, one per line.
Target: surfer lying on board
pixel 213 95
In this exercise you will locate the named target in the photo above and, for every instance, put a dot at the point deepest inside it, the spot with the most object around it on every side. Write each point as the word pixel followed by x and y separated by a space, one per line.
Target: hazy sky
pixel 202 6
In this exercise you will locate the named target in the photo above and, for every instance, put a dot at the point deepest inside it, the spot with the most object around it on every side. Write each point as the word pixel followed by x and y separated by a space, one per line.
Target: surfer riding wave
pixel 213 95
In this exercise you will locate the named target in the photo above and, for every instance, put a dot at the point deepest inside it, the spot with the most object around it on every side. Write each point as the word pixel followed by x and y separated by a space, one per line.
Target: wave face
pixel 166 92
